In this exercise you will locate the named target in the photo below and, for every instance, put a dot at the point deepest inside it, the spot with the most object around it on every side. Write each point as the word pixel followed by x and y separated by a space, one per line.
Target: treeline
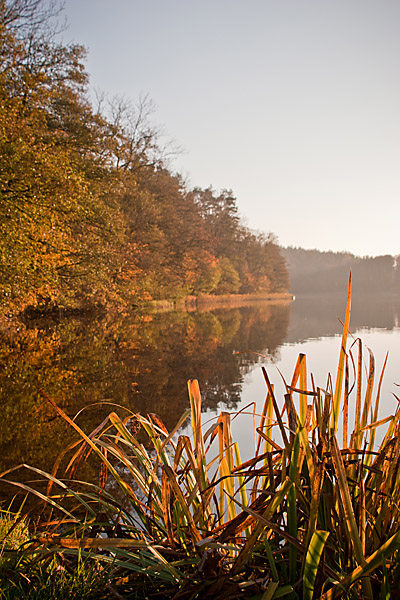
pixel 91 214
pixel 314 271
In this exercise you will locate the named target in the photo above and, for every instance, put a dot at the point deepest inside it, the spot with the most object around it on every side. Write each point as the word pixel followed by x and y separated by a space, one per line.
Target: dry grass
pixel 308 516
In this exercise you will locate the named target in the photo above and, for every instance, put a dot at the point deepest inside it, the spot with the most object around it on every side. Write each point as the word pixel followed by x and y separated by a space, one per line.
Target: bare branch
pixel 26 18
pixel 138 141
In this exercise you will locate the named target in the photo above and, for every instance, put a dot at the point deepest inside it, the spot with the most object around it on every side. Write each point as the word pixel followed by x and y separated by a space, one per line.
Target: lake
pixel 142 362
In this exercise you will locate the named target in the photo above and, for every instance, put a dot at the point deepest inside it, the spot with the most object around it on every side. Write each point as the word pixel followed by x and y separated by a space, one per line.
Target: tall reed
pixel 308 516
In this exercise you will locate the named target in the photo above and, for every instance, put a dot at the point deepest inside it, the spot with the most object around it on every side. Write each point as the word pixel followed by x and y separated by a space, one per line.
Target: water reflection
pixel 141 361
pixel 314 316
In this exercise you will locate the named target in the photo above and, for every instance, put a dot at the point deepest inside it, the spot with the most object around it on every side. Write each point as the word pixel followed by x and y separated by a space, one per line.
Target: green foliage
pixel 25 573
pixel 13 533
pixel 229 282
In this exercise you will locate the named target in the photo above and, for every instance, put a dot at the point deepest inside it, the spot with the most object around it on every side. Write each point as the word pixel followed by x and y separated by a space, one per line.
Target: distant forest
pixel 313 271
pixel 91 214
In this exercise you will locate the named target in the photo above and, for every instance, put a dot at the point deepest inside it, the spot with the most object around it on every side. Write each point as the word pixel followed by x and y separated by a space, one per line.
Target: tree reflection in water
pixel 142 362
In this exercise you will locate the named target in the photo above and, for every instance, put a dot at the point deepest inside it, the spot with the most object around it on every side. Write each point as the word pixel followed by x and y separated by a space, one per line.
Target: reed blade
pixel 340 370
pixel 312 561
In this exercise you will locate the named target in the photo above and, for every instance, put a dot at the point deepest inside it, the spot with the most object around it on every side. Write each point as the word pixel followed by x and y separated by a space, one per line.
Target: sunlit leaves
pixel 90 214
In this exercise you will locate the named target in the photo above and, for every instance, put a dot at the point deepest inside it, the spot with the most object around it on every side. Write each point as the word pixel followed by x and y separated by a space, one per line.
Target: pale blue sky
pixel 292 104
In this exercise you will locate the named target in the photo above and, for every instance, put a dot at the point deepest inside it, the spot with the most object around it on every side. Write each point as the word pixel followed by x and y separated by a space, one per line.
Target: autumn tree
pixel 91 214
pixel 53 223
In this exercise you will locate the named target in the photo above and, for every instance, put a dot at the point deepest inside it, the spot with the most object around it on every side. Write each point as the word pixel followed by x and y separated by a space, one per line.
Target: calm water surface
pixel 315 329
pixel 143 361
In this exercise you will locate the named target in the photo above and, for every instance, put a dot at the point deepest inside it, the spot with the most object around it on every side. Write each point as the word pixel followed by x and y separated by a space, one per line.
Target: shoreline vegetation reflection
pixel 141 361
pixel 144 360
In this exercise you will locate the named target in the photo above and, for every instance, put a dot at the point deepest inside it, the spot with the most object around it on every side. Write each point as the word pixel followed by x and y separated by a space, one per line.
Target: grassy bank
pixel 177 514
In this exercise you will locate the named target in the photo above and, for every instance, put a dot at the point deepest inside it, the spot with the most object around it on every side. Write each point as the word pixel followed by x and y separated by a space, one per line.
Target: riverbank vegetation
pixel 313 513
pixel 91 214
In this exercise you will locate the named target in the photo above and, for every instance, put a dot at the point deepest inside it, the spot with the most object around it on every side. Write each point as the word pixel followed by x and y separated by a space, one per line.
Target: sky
pixel 294 105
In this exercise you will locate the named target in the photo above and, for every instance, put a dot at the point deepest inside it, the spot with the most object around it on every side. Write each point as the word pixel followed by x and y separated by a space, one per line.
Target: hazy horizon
pixel 291 246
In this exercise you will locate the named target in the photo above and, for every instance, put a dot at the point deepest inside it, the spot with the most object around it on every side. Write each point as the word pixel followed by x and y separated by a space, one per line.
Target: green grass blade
pixel 312 561
pixel 292 507
pixel 372 562
pixel 350 520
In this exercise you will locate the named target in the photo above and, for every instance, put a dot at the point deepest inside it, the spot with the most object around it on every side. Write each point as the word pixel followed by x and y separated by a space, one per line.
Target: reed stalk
pixel 303 518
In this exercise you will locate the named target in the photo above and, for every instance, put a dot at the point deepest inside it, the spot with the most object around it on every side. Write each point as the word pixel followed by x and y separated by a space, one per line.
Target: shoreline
pixel 209 301
pixel 188 303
